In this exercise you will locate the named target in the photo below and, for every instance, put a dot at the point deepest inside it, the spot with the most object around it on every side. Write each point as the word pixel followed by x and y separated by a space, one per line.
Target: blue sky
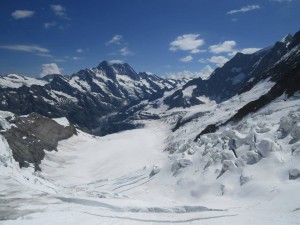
pixel 159 36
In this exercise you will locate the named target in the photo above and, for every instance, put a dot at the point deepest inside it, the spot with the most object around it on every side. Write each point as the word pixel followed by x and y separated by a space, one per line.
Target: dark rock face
pixel 32 135
pixel 294 174
pixel 181 122
pixel 178 100
pixel 118 68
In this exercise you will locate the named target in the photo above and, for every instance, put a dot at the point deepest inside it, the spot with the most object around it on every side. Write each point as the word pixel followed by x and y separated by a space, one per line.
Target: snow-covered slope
pixel 16 81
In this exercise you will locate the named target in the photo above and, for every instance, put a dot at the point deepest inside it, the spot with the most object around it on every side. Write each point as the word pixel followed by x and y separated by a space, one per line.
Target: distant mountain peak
pixel 103 63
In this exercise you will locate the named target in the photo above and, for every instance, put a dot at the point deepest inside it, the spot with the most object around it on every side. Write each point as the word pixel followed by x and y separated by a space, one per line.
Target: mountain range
pixel 85 97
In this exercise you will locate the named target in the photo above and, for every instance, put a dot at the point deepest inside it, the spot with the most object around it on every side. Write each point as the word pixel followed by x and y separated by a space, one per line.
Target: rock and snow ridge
pixel 16 81
pixel 243 70
pixel 84 97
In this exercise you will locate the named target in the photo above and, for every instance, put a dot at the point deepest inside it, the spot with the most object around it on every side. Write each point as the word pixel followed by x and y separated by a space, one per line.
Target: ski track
pixel 161 221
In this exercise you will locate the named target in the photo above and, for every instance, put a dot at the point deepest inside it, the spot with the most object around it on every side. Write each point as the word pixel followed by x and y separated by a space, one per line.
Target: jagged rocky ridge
pixel 87 98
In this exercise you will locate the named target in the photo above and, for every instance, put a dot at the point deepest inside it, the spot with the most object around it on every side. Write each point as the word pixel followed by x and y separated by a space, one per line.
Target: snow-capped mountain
pixel 84 97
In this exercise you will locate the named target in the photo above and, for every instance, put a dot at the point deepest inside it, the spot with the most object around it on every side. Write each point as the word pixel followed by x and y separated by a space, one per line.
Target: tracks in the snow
pixel 102 205
pixel 161 221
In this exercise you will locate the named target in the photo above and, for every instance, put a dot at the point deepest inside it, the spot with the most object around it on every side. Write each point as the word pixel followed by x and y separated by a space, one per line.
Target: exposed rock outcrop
pixel 31 135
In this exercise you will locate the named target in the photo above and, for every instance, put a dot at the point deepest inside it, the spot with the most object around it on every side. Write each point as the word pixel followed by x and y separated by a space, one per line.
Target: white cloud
pixel 44 55
pixel 195 51
pixel 244 9
pixel 76 58
pixel 26 48
pixel 245 51
pixel 125 51
pixel 188 58
pixel 49 24
pixel 115 40
pixel 226 46
pixel 218 60
pixel 50 68
pixel 79 50
pixel 118 40
pixel 249 50
pixel 22 14
pixel 187 42
pixel 204 74
pixel 229 47
pixel 202 60
pixel 59 10
pixel 115 61
pixel 281 1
